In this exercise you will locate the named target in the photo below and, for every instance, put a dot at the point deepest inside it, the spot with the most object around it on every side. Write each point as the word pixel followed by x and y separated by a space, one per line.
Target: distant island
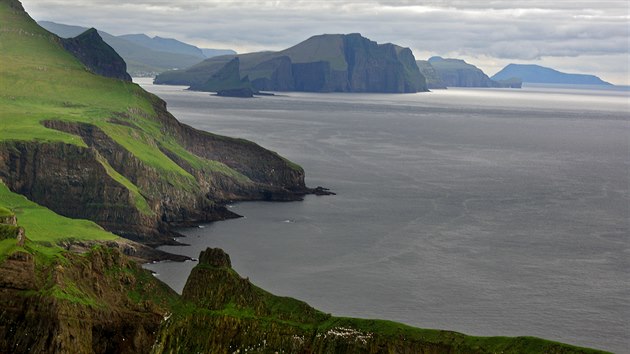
pixel 145 56
pixel 442 73
pixel 323 63
pixel 541 75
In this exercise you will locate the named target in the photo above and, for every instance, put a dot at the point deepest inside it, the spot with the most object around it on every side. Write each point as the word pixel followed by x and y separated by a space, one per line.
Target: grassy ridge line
pixel 41 81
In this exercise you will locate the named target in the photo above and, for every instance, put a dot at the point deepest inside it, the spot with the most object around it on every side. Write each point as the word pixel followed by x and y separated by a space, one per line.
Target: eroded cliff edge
pixel 101 302
pixel 76 181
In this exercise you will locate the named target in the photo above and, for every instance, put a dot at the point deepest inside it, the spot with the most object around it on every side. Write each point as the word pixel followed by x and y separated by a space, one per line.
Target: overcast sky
pixel 580 36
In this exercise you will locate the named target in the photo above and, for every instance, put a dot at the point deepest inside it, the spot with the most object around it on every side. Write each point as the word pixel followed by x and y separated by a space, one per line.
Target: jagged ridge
pixel 97 55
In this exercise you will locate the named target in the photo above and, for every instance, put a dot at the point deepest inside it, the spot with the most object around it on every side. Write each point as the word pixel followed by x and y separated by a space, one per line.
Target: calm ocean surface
pixel 489 212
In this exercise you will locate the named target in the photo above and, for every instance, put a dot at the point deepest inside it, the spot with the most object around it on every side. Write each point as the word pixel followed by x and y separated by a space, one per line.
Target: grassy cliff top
pixel 5 212
pixel 44 228
pixel 42 81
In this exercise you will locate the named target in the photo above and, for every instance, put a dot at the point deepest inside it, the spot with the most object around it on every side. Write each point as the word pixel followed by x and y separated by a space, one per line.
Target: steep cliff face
pixel 97 55
pixel 380 68
pixel 226 81
pixel 70 179
pixel 99 302
pixel 428 71
pixel 326 63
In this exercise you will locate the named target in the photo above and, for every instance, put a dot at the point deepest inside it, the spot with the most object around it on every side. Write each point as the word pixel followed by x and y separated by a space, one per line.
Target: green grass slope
pixel 44 229
pixel 41 81
pixel 49 97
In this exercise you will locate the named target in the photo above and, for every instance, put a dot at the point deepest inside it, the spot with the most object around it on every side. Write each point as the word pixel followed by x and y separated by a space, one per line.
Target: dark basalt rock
pixel 96 55
pixel 215 257
pixel 227 81
pixel 240 92
pixel 322 191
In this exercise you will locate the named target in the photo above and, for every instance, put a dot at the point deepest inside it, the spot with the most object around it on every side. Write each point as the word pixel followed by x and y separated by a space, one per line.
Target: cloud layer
pixel 485 32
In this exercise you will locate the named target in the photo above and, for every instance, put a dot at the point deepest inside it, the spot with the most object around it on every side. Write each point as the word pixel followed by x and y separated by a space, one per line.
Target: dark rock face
pixel 227 82
pixel 97 55
pixel 69 180
pixel 240 92
pixel 428 71
pixel 215 257
pixel 313 77
pixel 281 78
pixel 326 63
pixel 380 68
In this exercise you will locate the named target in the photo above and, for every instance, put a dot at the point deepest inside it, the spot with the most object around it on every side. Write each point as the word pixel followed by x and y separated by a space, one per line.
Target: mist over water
pixel 489 212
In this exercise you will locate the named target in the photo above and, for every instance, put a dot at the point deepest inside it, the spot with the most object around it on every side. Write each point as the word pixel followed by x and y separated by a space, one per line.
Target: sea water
pixel 485 211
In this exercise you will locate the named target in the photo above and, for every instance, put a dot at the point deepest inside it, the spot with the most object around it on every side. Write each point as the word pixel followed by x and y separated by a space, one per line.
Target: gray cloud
pixel 484 31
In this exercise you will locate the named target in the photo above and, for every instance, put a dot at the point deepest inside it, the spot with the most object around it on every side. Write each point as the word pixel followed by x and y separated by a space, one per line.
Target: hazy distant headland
pixel 541 75
pixel 324 63
pixel 442 73
pixel 145 56
pixel 315 65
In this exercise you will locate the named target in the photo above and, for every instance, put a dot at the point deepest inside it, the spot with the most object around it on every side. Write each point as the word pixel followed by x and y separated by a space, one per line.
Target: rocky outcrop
pixel 241 92
pixel 96 55
pixel 9 228
pixel 7 217
pixel 326 63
